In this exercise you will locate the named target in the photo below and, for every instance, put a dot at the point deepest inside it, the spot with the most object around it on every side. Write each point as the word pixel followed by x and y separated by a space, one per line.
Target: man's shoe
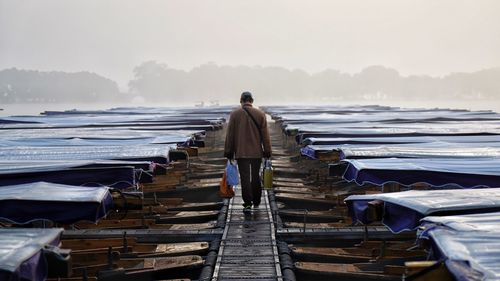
pixel 255 206
pixel 247 207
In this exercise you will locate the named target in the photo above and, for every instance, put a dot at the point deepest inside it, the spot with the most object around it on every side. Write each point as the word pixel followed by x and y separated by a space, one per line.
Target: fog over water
pixel 428 53
pixel 35 109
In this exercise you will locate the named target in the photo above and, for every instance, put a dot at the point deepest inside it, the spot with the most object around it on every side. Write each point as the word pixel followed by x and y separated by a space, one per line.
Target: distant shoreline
pixel 37 108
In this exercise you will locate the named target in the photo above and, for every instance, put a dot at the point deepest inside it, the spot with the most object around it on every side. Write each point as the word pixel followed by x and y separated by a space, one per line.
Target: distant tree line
pixel 30 86
pixel 156 82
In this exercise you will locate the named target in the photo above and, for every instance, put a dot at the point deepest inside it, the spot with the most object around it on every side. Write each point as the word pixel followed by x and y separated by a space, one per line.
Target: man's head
pixel 246 97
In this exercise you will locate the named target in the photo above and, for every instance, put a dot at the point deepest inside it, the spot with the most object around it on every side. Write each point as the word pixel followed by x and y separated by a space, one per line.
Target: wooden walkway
pixel 248 247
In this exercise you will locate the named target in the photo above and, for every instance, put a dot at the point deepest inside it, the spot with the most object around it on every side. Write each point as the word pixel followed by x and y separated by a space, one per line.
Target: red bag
pixel 225 190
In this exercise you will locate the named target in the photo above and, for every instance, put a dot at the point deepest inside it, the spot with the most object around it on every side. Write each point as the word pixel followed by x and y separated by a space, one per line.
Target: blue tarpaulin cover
pixel 354 122
pixel 401 140
pixel 31 166
pixel 468 256
pixel 82 152
pixel 117 177
pixel 486 222
pixel 467 173
pixel 421 150
pixel 469 244
pixel 392 131
pixel 373 113
pixel 177 118
pixel 20 252
pixel 93 136
pixel 305 118
pixel 58 203
pixel 104 141
pixel 388 129
pixel 126 134
pixel 410 150
pixel 404 210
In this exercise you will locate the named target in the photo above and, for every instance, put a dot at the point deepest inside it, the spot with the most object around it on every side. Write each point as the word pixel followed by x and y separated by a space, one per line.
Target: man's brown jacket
pixel 243 139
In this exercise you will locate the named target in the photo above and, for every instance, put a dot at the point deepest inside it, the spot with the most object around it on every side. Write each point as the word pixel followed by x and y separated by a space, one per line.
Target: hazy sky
pixel 110 37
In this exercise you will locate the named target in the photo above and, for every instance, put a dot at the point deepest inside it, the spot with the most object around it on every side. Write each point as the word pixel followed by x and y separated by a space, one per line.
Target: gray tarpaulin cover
pixel 471 240
pixel 19 244
pixel 102 118
pixel 404 210
pixel 82 152
pixel 468 243
pixel 486 222
pixel 29 166
pixel 359 121
pixel 96 134
pixel 89 141
pixel 391 129
pixel 43 191
pixel 422 150
pixel 393 140
pixel 413 150
pixel 469 256
pixel 464 172
pixel 430 201
pixel 59 203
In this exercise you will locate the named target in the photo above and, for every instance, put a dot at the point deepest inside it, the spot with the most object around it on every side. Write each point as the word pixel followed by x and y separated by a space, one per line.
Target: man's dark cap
pixel 246 96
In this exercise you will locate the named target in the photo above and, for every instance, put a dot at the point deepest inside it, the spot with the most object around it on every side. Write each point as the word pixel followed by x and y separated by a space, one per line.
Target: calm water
pixel 35 109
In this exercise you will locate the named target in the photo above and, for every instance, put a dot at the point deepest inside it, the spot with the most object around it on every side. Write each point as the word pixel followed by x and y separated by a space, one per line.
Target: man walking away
pixel 248 141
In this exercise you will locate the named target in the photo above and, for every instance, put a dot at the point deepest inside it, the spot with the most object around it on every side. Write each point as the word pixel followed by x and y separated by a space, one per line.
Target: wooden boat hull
pixel 323 225
pixel 290 172
pixel 353 254
pixel 311 216
pixel 338 272
pixel 155 269
pixel 293 190
pixel 197 207
pixel 294 201
pixel 188 217
pixel 101 255
pixel 205 194
pixel 287 179
pixel 330 255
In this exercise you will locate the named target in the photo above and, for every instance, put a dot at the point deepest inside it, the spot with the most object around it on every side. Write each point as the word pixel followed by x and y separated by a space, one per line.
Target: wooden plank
pixel 148 235
pixel 76 244
pixel 296 235
pixel 117 224
pixel 428 271
pixel 191 151
pixel 394 270
pixel 375 210
pixel 166 201
pixel 331 156
pixel 123 201
pixel 391 187
pixel 192 226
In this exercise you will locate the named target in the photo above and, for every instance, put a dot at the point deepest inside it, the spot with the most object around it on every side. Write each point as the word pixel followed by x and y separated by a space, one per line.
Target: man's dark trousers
pixel 250 180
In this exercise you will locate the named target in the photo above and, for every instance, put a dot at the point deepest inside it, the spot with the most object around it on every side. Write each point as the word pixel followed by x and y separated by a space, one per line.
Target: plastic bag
pixel 225 190
pixel 232 176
